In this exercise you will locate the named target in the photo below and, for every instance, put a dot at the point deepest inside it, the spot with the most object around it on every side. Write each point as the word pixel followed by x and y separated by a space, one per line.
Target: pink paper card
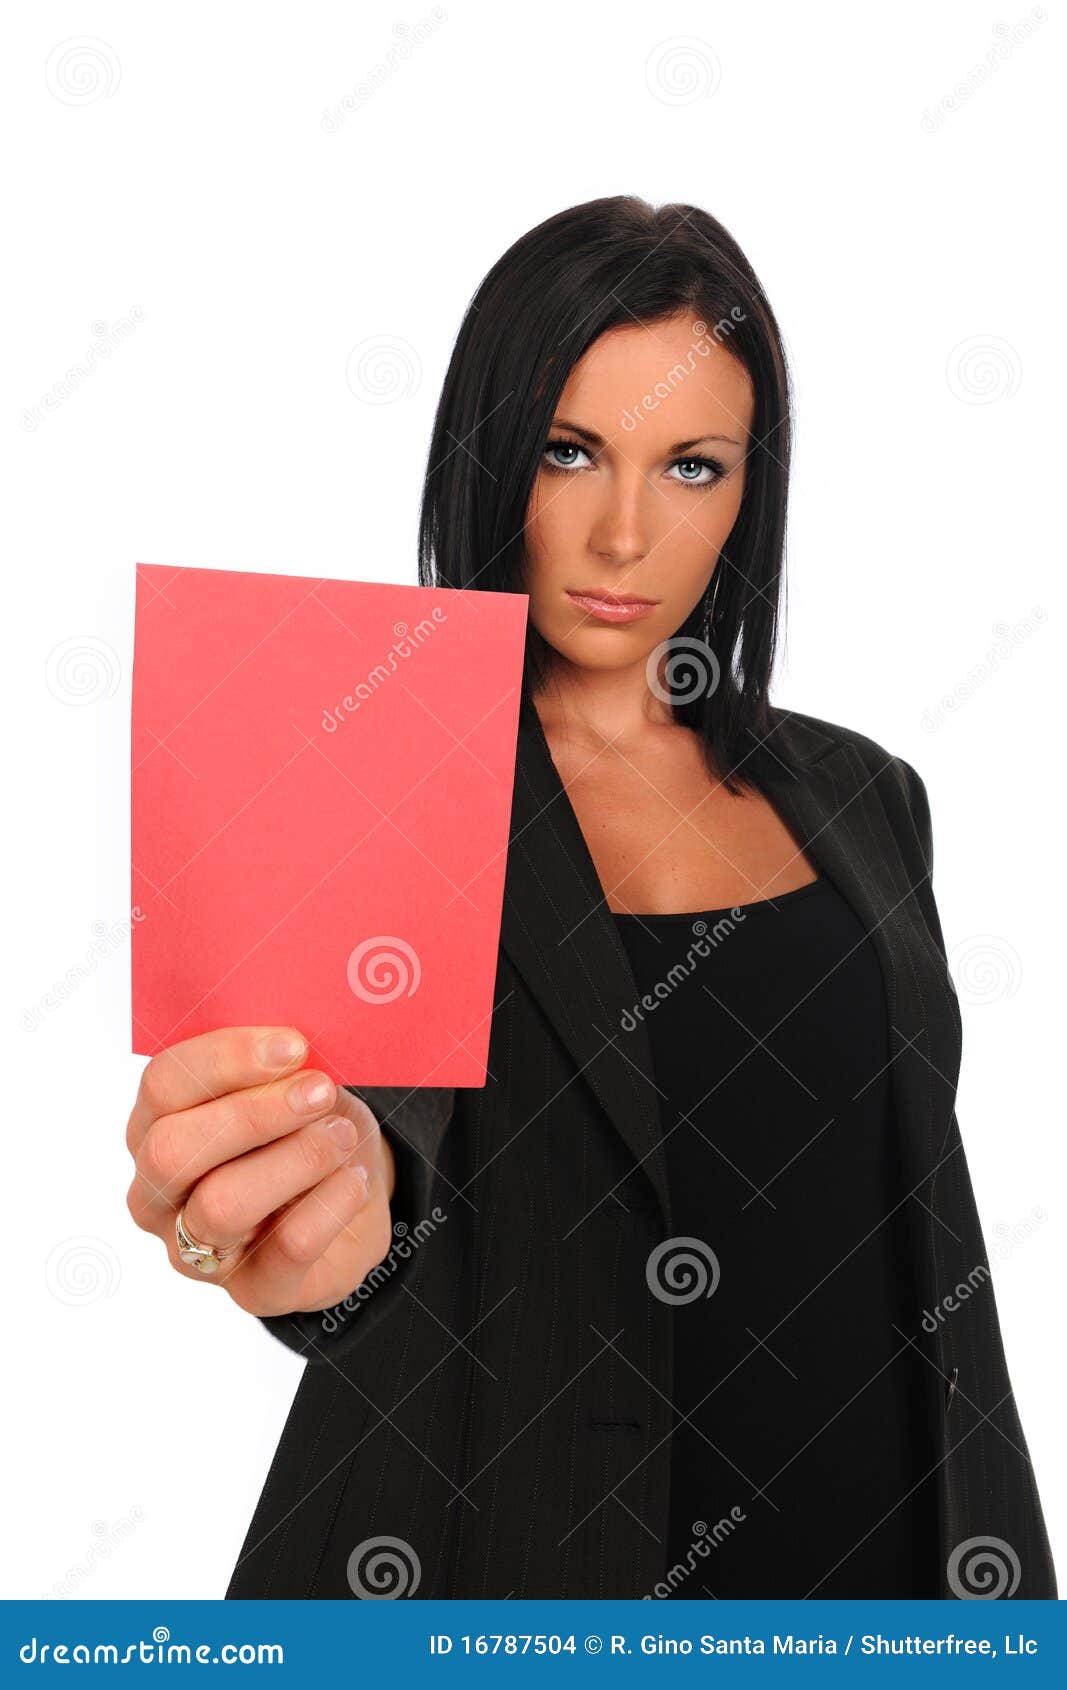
pixel 322 776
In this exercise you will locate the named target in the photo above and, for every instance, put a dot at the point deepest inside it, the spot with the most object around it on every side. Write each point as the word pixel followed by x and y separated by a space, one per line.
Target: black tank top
pixel 803 1416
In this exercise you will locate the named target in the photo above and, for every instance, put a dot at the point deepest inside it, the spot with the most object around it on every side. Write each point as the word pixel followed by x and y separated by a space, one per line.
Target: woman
pixel 691 1299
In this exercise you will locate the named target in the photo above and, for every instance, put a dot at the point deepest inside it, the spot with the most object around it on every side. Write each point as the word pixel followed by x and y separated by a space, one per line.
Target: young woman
pixel 691 1299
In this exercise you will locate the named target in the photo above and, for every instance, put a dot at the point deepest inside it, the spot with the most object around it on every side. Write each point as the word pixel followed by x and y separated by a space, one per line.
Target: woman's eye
pixel 567 455
pixel 697 472
pixel 563 454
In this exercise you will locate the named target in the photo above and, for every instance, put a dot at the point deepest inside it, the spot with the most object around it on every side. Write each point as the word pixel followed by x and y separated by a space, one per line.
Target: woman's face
pixel 638 489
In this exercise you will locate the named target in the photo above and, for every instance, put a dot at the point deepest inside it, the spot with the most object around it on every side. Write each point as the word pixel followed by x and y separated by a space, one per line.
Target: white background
pixel 185 173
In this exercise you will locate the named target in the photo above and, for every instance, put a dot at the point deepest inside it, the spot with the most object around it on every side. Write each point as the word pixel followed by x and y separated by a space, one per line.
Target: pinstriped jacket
pixel 495 1399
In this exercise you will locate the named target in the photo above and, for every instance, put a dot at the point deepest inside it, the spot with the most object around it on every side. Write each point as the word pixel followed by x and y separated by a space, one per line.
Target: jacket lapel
pixel 559 933
pixel 834 806
pixel 557 930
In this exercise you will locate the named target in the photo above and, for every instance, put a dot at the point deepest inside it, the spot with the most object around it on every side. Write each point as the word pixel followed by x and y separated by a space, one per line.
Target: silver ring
pixel 206 1258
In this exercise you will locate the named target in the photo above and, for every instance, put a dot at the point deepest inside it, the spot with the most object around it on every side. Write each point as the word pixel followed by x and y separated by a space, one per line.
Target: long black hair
pixel 610 262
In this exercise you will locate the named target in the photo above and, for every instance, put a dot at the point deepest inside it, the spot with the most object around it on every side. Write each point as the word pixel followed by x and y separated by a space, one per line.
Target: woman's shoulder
pixel 807 739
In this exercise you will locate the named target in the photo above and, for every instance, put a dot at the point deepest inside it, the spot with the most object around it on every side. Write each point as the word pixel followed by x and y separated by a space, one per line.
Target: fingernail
pixel 311 1093
pixel 360 1171
pixel 343 1132
pixel 279 1049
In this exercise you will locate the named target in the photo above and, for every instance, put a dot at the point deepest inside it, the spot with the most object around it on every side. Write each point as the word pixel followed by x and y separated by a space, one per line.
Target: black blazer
pixel 495 1400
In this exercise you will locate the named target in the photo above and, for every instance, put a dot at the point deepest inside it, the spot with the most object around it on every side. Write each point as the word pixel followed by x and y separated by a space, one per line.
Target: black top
pixel 810 1414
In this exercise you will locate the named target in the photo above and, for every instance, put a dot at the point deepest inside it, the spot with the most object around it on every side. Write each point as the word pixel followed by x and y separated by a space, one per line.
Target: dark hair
pixel 542 305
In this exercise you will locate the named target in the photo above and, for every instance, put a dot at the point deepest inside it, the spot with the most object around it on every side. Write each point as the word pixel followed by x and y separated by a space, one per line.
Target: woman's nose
pixel 621 531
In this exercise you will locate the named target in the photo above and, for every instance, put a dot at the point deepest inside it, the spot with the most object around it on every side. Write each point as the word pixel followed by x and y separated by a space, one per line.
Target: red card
pixel 322 776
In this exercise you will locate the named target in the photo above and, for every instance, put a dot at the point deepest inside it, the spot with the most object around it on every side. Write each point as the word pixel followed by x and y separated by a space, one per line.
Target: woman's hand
pixel 226 1128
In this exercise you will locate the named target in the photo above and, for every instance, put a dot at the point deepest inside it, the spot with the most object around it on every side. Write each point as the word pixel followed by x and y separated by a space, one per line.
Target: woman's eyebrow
pixel 679 446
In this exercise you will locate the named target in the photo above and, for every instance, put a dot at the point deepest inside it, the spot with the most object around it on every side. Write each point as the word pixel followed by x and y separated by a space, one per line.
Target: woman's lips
pixel 609 610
